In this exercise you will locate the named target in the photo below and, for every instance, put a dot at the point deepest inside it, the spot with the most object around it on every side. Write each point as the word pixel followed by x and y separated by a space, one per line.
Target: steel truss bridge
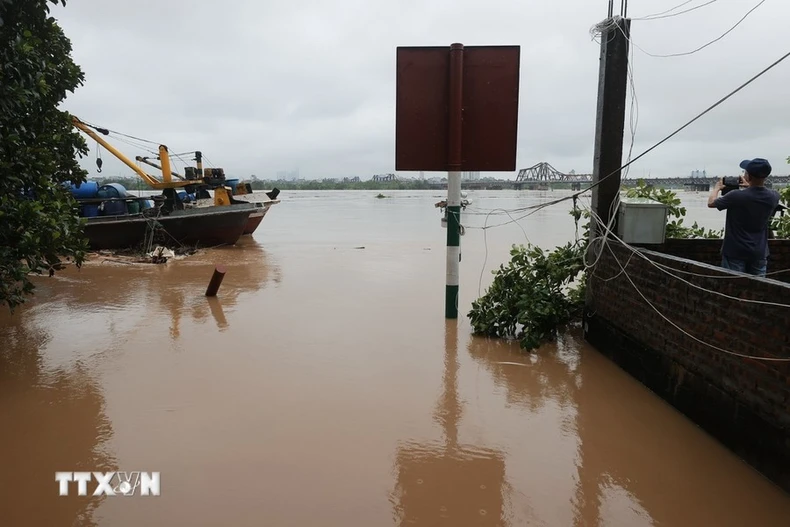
pixel 545 173
pixel 545 176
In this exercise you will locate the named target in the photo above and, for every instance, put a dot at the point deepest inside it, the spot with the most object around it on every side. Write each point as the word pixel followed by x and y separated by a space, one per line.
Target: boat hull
pixel 244 200
pixel 204 227
pixel 256 218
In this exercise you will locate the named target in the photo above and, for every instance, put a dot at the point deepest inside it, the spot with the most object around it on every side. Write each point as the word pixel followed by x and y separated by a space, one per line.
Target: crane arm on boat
pixel 151 163
pixel 152 181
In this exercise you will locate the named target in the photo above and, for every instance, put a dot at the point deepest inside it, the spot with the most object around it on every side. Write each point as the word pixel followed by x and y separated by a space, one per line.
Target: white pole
pixel 453 244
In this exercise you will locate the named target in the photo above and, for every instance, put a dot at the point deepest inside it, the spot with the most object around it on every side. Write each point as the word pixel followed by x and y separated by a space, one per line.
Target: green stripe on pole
pixel 453 254
pixel 451 301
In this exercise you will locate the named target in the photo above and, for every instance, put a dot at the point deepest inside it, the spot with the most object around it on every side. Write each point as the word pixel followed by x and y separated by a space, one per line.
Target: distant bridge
pixel 385 177
pixel 545 173
pixel 543 176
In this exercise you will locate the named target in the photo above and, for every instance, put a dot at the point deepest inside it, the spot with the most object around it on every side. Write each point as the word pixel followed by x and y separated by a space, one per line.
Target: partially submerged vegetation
pixel 538 292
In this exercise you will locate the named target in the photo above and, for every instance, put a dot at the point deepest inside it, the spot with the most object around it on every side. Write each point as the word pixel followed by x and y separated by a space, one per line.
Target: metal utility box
pixel 642 220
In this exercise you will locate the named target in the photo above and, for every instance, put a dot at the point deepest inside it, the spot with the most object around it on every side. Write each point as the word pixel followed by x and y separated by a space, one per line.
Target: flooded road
pixel 324 387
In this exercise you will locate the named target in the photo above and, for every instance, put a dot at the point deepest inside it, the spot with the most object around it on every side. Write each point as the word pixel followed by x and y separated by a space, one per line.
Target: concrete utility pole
pixel 454 181
pixel 610 120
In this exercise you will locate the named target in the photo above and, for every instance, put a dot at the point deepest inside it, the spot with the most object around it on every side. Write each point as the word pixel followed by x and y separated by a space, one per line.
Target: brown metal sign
pixel 489 108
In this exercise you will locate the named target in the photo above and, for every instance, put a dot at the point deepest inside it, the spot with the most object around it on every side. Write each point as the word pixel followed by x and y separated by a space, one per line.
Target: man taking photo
pixel 749 212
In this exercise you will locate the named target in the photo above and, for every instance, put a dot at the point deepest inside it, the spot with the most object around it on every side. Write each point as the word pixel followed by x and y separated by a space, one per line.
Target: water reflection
pixel 633 453
pixel 53 420
pixel 444 482
pixel 124 297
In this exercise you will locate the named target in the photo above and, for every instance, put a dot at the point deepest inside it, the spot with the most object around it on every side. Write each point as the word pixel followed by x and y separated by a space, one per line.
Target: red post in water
pixel 216 280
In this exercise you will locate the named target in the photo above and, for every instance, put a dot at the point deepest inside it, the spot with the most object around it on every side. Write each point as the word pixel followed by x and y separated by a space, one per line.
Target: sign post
pixel 454 121
pixel 456 110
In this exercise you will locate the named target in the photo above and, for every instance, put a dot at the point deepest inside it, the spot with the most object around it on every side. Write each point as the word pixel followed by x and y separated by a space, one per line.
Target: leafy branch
pixel 781 224
pixel 539 291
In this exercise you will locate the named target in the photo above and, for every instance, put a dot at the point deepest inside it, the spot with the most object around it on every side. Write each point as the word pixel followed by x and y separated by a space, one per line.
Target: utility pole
pixel 610 120
pixel 454 181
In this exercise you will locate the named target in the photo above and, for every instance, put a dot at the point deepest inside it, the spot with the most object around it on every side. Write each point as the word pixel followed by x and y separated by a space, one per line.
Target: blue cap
pixel 757 167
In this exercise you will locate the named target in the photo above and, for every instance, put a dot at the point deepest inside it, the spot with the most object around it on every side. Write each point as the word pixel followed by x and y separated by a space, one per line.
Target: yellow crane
pixel 221 194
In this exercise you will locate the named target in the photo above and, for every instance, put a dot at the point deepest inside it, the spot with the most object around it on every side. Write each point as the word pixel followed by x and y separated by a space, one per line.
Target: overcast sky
pixel 267 85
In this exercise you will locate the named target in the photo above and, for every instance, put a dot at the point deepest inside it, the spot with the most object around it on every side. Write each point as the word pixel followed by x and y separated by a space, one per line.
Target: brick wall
pixel 745 403
pixel 709 252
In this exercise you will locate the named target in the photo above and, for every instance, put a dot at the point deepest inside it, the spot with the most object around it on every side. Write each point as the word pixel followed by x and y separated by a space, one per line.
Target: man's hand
pixel 714 192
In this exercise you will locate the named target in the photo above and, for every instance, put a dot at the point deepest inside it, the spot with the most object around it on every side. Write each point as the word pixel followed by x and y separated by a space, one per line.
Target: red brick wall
pixel 709 252
pixel 743 402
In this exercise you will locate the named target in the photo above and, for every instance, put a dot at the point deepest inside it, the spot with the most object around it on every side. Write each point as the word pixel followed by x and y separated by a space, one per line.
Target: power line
pixel 701 47
pixel 605 244
pixel 662 15
pixel 668 10
pixel 659 313
pixel 536 208
pixel 714 105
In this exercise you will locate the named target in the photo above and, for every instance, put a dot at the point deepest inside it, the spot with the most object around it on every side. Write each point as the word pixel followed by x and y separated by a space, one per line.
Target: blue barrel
pixel 86 190
pixel 146 204
pixel 232 183
pixel 112 190
pixel 89 211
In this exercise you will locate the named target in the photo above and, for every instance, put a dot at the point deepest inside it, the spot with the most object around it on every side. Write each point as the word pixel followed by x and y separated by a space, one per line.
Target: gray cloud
pixel 262 86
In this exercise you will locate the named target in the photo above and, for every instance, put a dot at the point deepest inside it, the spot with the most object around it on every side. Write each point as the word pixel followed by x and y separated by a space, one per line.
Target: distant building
pixel 354 179
pixel 698 174
pixel 470 176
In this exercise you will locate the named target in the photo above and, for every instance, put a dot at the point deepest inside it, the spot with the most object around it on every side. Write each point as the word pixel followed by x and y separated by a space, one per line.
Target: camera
pixel 730 184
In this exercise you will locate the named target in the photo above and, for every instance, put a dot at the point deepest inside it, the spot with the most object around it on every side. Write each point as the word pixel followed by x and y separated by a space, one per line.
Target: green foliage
pixel 536 293
pixel 539 291
pixel 675 212
pixel 38 222
pixel 781 224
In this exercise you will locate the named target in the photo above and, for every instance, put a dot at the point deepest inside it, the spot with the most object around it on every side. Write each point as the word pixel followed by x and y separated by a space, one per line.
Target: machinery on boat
pixel 196 208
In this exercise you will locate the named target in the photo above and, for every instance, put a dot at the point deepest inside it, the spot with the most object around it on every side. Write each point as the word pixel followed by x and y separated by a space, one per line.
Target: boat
pixel 115 219
pixel 232 192
pixel 206 227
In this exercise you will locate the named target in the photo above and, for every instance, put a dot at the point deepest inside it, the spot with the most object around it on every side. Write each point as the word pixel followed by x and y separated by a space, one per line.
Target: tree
pixel 39 227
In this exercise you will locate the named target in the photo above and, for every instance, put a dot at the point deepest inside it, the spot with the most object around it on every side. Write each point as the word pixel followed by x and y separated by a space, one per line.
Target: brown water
pixel 324 387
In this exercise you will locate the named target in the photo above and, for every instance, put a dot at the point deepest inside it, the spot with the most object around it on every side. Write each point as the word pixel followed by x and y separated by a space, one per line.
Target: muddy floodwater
pixel 324 387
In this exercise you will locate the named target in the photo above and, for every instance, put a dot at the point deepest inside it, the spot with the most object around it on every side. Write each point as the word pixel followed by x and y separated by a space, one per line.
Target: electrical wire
pixel 485 243
pixel 662 15
pixel 667 11
pixel 536 208
pixel 685 53
pixel 637 252
pixel 719 277
pixel 633 120
pixel 697 117
pixel 625 273
pixel 658 312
